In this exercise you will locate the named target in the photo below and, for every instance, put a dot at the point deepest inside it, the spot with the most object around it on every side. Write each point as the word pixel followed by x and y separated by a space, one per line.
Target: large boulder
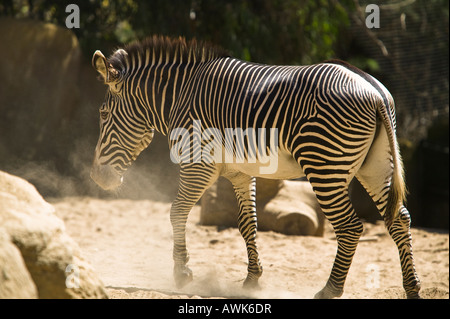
pixel 49 101
pixel 288 207
pixel 15 280
pixel 39 95
pixel 51 258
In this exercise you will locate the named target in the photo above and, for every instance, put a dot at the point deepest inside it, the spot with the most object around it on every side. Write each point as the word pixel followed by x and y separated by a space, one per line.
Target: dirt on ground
pixel 129 243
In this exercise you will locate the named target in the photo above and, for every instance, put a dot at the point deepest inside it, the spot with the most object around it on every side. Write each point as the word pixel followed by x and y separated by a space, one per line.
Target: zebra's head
pixel 124 128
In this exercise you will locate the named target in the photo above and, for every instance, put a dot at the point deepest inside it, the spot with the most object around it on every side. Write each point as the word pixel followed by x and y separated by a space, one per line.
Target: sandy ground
pixel 129 243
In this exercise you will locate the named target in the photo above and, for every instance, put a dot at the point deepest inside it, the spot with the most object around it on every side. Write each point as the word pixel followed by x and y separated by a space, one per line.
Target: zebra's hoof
pixel 183 276
pixel 329 293
pixel 413 296
pixel 413 293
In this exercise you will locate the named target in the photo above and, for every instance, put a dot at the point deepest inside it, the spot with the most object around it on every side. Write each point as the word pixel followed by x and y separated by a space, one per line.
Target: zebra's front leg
pixel 194 180
pixel 245 189
pixel 178 217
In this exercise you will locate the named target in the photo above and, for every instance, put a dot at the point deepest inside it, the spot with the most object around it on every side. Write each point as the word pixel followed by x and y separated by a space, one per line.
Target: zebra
pixel 333 122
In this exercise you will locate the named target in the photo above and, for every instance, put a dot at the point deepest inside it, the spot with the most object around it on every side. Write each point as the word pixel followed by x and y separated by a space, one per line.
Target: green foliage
pixel 267 31
pixel 324 21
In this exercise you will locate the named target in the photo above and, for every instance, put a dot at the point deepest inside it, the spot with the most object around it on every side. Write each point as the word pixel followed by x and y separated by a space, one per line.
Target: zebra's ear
pixel 101 65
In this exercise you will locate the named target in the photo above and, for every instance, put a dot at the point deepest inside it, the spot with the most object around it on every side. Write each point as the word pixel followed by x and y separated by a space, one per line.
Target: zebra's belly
pixel 278 166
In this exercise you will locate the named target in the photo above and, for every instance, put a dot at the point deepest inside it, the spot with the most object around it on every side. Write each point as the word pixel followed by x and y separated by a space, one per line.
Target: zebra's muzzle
pixel 106 176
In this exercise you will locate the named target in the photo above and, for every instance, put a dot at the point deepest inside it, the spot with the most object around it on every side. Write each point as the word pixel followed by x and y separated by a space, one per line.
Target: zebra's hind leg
pixel 194 180
pixel 374 175
pixel 348 229
pixel 330 179
pixel 245 189
pixel 399 230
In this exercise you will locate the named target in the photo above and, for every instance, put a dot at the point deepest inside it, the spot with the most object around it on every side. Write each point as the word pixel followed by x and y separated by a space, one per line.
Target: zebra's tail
pixel 397 191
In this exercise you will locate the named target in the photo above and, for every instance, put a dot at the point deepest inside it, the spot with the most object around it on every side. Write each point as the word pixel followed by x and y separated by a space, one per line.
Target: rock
pixel 44 61
pixel 219 205
pixel 44 133
pixel 288 207
pixel 52 259
pixel 54 149
pixel 15 280
pixel 293 211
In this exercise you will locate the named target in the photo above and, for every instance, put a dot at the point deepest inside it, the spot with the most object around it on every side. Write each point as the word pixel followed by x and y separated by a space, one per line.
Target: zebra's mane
pixel 165 49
